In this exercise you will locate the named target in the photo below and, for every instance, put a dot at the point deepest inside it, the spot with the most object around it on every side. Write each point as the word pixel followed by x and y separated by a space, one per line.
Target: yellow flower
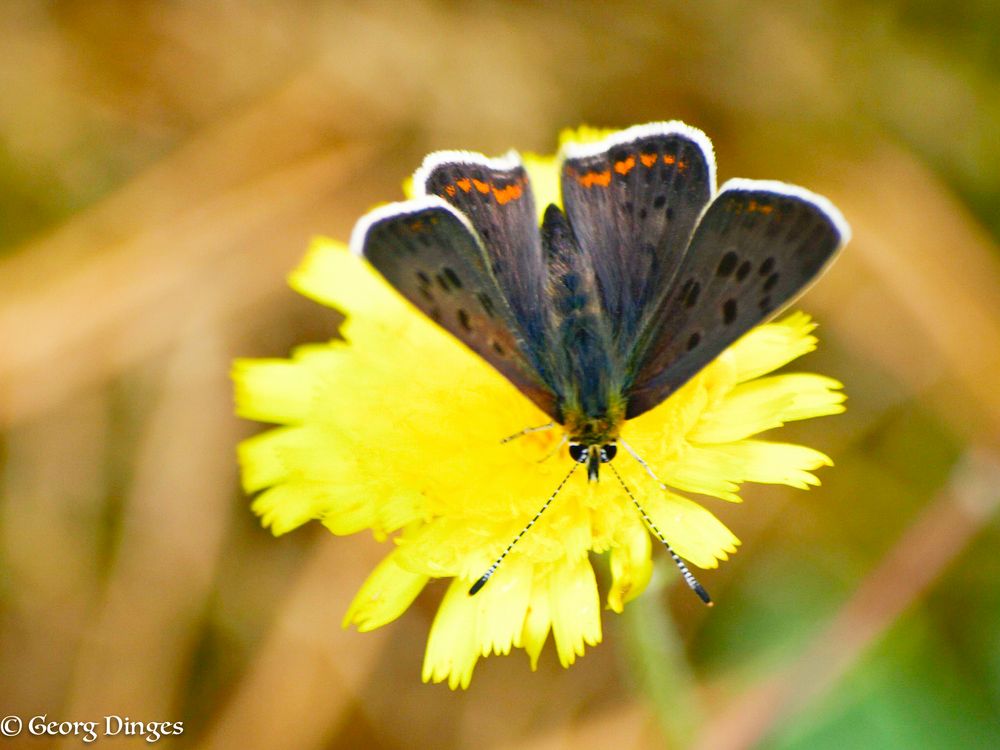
pixel 398 427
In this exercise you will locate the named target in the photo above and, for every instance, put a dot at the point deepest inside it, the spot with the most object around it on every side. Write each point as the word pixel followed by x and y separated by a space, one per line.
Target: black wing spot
pixel 464 320
pixel 729 311
pixel 660 201
pixel 799 227
pixel 690 292
pixel 693 340
pixel 435 313
pixel 643 213
pixel 487 304
pixel 425 293
pixel 815 238
pixel 765 303
pixel 619 155
pixel 727 264
pixel 498 349
pixel 442 282
pixel 485 233
pixel 744 270
pixel 771 281
pixel 452 277
pixel 767 266
pixel 424 279
pixel 670 213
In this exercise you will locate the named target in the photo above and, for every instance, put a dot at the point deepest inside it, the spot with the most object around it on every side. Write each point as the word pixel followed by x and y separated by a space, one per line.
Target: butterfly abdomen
pixel 578 334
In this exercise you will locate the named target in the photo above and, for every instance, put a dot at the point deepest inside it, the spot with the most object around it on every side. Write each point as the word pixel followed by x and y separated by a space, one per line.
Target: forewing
pixel 430 254
pixel 633 200
pixel 759 245
pixel 496 197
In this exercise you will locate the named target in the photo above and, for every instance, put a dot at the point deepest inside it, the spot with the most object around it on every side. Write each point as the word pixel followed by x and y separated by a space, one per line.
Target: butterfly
pixel 644 275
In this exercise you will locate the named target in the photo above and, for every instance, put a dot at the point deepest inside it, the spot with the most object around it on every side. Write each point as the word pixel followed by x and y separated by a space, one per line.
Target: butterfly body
pixel 588 386
pixel 644 276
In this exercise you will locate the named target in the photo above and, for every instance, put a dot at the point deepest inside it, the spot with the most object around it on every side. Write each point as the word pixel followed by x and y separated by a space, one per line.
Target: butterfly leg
pixel 528 431
pixel 554 451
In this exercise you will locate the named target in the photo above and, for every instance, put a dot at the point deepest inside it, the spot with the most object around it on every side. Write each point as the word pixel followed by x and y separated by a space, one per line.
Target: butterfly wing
pixel 759 244
pixel 633 200
pixel 496 197
pixel 429 252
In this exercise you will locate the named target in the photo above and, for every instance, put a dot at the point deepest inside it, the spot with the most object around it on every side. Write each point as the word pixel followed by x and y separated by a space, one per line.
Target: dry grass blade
pixel 135 654
pixel 218 254
pixel 309 671
pixel 50 537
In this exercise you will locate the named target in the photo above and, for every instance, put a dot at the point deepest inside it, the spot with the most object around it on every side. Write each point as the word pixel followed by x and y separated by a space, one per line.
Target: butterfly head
pixel 592 437
pixel 593 456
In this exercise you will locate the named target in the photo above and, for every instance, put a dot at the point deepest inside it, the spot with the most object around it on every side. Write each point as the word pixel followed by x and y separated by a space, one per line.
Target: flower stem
pixel 658 665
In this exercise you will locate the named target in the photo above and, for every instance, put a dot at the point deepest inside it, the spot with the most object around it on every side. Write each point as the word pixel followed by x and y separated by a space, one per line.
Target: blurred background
pixel 163 166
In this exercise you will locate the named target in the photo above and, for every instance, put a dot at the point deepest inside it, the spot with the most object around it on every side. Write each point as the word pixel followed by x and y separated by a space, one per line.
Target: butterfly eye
pixel 608 452
pixel 578 453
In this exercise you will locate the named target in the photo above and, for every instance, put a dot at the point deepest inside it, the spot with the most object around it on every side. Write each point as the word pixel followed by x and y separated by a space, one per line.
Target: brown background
pixel 163 166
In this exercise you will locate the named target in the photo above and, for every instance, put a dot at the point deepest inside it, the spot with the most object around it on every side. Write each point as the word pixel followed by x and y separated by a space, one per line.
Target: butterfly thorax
pixel 594 430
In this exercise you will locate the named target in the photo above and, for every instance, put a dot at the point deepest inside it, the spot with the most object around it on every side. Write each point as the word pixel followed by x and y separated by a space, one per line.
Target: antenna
pixel 689 578
pixel 644 465
pixel 496 563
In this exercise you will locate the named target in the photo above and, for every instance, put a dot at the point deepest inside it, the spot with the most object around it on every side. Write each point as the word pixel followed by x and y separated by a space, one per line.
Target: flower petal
pixel 288 505
pixel 384 596
pixel 575 609
pixel 331 275
pixel 773 345
pixel 584 134
pixel 306 474
pixel 537 621
pixel 693 532
pixel 766 403
pixel 631 564
pixel 702 470
pixel 453 646
pixel 502 607
pixel 543 175
pixel 291 453
pixel 772 463
pixel 272 390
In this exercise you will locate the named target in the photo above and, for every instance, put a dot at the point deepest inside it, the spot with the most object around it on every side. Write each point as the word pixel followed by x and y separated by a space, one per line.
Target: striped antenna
pixel 496 563
pixel 689 578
